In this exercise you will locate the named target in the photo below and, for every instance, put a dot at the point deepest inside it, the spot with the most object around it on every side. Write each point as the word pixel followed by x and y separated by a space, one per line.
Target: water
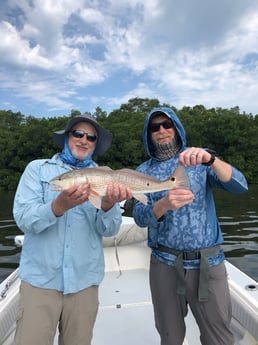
pixel 238 216
pixel 9 252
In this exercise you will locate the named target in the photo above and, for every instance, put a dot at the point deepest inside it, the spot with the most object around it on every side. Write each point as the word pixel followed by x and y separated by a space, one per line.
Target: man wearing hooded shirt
pixel 62 261
pixel 187 262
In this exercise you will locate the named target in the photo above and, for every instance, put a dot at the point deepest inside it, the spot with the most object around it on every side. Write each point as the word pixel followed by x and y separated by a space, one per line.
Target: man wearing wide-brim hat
pixel 62 261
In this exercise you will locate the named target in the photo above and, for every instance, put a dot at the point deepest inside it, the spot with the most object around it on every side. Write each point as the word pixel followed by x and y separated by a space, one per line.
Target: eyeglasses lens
pixel 154 127
pixel 80 134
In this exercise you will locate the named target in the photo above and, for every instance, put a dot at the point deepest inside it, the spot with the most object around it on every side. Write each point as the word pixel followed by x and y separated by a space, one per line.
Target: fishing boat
pixel 125 314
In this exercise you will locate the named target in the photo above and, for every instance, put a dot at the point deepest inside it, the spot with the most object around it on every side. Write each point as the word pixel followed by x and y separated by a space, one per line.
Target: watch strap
pixel 212 159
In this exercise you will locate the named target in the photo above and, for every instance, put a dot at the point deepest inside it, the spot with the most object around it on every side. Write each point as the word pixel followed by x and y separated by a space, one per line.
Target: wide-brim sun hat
pixel 104 137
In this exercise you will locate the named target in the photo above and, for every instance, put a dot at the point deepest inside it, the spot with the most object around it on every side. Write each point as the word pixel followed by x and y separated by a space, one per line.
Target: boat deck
pixel 125 314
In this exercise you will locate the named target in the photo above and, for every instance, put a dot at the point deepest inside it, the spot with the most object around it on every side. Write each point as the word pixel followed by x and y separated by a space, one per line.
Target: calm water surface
pixel 238 216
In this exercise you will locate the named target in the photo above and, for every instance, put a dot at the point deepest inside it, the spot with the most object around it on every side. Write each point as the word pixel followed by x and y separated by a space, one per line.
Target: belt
pixel 202 255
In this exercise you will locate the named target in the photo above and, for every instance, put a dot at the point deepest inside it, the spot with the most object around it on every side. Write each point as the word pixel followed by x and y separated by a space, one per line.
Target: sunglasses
pixel 80 134
pixel 154 127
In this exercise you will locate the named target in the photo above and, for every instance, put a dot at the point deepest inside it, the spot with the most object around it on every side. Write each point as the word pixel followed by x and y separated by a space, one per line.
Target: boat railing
pixel 7 284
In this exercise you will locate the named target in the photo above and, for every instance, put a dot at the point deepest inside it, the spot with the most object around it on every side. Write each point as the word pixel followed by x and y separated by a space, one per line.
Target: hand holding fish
pixel 69 198
pixel 115 193
pixel 178 197
pixel 173 200
pixel 78 194
pixel 193 156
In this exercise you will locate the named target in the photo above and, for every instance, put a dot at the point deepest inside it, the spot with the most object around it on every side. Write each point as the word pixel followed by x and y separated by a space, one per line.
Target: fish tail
pixel 180 177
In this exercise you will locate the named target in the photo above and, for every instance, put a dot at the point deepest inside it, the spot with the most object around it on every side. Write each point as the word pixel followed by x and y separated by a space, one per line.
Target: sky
pixel 58 56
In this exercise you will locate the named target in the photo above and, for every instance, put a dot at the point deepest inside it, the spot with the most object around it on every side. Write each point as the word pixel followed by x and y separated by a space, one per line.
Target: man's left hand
pixel 115 193
pixel 194 156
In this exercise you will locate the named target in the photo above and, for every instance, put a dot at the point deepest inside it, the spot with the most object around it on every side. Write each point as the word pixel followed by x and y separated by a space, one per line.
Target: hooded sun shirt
pixel 194 226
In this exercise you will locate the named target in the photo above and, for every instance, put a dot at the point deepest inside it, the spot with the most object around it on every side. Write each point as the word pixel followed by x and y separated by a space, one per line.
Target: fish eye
pixel 173 179
pixel 148 184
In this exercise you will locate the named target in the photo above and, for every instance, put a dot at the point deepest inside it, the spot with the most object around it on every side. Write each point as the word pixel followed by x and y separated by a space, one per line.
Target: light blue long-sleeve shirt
pixel 61 253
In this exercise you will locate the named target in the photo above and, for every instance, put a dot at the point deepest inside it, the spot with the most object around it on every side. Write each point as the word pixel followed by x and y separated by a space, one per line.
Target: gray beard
pixel 168 150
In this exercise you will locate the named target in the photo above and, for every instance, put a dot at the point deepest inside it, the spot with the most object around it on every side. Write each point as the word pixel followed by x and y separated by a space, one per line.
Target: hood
pixel 177 123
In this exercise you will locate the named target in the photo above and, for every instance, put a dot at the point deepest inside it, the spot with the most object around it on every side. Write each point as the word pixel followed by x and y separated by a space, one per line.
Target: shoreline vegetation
pixel 231 133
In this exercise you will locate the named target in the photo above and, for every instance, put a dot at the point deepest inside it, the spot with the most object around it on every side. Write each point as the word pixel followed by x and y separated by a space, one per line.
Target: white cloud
pixel 178 51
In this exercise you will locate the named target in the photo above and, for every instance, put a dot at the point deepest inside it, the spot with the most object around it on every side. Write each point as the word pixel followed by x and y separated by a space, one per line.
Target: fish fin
pixel 95 200
pixel 94 193
pixel 141 197
pixel 181 178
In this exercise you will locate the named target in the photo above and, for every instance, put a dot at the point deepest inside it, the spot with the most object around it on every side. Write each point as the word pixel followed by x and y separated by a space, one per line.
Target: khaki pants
pixel 41 311
pixel 170 308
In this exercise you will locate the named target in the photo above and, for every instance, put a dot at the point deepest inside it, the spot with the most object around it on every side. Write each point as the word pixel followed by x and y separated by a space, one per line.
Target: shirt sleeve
pixel 108 223
pixel 30 211
pixel 144 215
pixel 236 185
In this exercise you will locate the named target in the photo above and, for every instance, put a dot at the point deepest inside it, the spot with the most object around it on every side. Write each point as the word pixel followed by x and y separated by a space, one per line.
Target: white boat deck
pixel 126 315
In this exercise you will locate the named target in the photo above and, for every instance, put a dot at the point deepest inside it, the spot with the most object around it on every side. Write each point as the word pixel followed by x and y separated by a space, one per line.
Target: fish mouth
pixel 54 186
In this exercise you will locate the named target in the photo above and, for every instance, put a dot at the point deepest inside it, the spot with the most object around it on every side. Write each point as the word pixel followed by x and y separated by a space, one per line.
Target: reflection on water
pixel 237 214
pixel 238 217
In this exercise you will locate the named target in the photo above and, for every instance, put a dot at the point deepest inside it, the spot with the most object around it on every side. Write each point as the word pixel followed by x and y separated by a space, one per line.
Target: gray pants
pixel 213 317
pixel 41 310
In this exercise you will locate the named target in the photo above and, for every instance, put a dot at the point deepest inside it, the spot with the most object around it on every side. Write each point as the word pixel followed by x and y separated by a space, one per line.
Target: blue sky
pixel 56 56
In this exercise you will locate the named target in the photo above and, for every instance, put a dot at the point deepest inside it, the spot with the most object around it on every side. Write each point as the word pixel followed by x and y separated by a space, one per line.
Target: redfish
pixel 98 178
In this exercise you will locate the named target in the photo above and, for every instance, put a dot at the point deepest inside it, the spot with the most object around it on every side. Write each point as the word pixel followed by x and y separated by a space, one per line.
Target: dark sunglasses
pixel 80 134
pixel 154 127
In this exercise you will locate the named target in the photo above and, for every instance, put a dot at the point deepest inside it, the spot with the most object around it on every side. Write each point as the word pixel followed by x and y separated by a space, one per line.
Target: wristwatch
pixel 212 159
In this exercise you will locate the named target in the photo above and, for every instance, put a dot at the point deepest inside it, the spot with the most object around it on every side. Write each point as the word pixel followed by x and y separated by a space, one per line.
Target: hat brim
pixel 104 137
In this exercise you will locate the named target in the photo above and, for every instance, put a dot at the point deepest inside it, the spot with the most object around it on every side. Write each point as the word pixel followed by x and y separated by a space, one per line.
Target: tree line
pixel 233 135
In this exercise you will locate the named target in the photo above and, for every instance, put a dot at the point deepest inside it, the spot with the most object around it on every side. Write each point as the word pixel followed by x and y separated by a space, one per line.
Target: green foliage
pixel 232 134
